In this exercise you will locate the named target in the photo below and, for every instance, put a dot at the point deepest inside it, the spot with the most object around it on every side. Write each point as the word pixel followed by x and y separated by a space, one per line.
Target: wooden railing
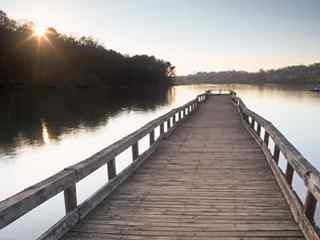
pixel 303 212
pixel 23 202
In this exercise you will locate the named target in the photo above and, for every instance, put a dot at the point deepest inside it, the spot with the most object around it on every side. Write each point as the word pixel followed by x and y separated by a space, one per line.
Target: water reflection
pixel 45 132
pixel 26 115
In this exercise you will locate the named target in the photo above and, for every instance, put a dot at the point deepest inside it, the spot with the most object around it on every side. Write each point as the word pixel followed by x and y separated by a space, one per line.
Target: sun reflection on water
pixel 45 133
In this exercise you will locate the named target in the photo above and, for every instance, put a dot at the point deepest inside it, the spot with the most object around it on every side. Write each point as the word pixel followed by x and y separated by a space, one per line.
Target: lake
pixel 42 132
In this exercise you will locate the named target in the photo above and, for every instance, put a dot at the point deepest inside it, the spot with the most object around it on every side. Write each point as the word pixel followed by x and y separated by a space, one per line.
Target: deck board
pixel 208 180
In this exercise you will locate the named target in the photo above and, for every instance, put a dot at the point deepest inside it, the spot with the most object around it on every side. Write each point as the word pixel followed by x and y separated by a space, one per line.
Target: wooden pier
pixel 212 173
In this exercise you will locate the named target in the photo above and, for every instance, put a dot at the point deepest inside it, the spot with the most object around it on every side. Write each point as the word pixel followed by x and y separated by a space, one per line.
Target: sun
pixel 39 31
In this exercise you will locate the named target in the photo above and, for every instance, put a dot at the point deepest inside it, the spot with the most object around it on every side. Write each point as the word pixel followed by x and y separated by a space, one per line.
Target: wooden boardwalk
pixel 212 172
pixel 208 180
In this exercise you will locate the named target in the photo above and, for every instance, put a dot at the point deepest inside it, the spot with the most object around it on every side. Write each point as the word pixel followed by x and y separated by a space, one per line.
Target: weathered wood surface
pixel 209 180
pixel 303 211
pixel 309 174
pixel 19 204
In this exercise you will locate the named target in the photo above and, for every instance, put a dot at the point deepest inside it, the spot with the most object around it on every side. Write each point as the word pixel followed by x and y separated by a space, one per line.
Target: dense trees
pixel 58 60
pixel 289 75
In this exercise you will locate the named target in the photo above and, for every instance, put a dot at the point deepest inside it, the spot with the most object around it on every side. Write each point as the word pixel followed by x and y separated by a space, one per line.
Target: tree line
pixel 60 60
pixel 299 74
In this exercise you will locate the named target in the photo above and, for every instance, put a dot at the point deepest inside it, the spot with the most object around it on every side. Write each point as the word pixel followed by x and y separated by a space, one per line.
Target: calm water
pixel 43 132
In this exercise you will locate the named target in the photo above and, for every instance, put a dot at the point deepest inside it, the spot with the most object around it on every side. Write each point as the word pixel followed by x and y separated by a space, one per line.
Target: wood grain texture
pixel 296 163
pixel 208 180
pixel 306 171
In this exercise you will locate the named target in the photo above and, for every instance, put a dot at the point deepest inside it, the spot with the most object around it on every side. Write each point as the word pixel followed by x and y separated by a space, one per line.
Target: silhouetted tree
pixel 59 60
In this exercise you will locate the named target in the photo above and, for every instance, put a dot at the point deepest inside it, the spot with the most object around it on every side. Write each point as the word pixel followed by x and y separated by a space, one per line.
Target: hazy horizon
pixel 194 36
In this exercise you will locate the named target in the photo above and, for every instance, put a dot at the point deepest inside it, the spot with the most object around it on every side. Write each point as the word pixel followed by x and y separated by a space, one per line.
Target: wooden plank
pixel 204 235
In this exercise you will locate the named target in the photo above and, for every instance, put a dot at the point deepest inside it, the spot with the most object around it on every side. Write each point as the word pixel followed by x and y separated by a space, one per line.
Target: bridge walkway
pixel 208 180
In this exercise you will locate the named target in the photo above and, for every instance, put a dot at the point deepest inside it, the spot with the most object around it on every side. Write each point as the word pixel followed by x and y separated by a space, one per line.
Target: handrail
pixel 19 204
pixel 295 163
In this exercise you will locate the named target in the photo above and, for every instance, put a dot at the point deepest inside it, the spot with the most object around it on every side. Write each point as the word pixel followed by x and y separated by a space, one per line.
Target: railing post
pixel 259 130
pixel 176 117
pixel 111 165
pixel 151 137
pixel 310 206
pixel 162 128
pixel 289 173
pixel 276 154
pixel 252 123
pixel 181 114
pixel 245 117
pixel 135 151
pixel 266 138
pixel 70 198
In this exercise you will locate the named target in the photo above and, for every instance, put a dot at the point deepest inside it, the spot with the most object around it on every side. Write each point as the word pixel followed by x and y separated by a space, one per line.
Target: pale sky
pixel 194 35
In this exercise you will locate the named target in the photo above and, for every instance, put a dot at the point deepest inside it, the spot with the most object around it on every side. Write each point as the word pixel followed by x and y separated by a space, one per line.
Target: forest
pixel 58 60
pixel 299 74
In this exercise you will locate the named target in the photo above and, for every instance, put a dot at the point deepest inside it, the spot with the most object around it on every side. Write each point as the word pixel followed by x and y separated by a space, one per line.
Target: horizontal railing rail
pixel 303 212
pixel 65 180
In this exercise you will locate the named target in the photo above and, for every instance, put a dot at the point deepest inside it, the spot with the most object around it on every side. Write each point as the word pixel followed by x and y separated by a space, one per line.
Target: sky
pixel 194 35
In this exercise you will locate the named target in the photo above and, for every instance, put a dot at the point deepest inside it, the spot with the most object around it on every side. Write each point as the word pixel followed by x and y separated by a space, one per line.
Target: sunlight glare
pixel 40 31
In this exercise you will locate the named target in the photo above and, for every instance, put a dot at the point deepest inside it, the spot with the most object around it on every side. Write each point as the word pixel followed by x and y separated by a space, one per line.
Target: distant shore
pixel 309 84
pixel 300 74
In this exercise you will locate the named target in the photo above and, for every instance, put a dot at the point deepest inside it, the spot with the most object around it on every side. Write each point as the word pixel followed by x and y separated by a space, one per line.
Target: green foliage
pixel 59 60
